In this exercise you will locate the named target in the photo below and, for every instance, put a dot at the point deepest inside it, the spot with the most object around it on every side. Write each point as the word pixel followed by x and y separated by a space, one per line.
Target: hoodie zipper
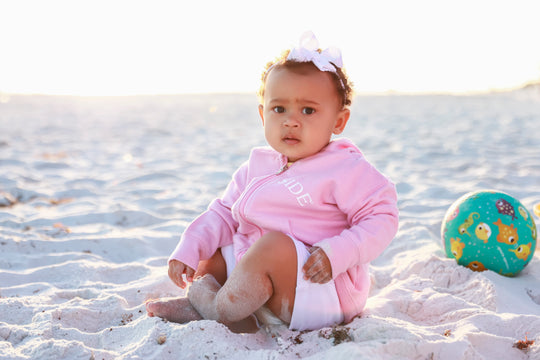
pixel 252 189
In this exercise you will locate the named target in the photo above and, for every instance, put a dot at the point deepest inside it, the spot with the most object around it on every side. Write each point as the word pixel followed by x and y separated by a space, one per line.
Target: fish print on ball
pixel 489 230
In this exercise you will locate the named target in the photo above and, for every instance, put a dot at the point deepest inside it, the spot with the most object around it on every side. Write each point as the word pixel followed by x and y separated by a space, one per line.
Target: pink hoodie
pixel 334 199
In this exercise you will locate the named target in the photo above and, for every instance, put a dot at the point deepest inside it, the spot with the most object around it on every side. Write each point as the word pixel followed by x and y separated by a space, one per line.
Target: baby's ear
pixel 341 121
pixel 261 113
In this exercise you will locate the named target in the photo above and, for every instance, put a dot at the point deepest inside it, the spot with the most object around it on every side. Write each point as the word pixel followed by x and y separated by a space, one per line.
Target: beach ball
pixel 489 230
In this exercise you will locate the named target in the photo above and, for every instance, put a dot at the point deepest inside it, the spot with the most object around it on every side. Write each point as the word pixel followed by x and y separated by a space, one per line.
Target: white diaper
pixel 315 305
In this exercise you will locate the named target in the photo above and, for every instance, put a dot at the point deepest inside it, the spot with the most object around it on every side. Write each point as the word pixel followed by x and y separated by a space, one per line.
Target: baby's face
pixel 301 111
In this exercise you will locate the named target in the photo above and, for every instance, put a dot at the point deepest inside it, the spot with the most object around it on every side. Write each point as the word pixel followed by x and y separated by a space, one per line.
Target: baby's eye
pixel 308 111
pixel 278 109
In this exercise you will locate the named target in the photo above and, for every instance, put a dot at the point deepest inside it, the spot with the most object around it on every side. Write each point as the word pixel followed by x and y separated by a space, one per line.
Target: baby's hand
pixel 177 269
pixel 317 268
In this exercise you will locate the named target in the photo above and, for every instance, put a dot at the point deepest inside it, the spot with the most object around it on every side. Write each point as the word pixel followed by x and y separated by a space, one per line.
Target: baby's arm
pixel 372 214
pixel 317 268
pixel 177 269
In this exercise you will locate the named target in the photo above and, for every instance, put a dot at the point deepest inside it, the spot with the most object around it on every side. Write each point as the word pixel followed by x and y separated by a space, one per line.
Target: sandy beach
pixel 95 192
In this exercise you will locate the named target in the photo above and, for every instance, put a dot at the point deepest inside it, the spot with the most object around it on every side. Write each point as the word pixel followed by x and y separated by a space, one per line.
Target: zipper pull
pixel 283 169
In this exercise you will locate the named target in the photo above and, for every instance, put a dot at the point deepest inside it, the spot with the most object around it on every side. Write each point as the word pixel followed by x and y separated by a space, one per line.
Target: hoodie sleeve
pixel 212 229
pixel 370 201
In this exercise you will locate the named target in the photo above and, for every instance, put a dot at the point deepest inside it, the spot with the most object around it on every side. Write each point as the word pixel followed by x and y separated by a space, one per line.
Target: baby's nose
pixel 291 121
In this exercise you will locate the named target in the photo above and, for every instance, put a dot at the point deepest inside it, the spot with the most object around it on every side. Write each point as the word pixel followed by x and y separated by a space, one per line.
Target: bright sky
pixel 116 47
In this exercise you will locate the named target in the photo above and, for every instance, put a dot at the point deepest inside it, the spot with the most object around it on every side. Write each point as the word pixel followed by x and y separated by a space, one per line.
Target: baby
pixel 300 221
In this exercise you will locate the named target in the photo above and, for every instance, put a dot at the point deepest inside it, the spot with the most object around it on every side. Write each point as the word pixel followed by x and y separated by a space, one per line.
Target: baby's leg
pixel 207 289
pixel 265 275
pixel 215 266
pixel 179 309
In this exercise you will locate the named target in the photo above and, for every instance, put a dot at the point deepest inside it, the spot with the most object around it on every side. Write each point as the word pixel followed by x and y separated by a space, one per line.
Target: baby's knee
pixel 275 243
pixel 276 239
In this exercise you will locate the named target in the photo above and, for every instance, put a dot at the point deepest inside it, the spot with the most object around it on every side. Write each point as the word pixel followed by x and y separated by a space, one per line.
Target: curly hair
pixel 341 81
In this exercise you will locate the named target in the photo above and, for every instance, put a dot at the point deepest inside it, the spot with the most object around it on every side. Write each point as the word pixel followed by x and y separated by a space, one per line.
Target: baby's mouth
pixel 291 140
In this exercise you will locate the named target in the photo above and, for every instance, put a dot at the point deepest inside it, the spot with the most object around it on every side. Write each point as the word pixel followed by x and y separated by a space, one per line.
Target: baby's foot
pixel 178 310
pixel 202 295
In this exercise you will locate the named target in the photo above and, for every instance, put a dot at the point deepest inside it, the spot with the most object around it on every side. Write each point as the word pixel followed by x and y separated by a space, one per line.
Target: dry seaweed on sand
pixel 339 334
pixel 523 344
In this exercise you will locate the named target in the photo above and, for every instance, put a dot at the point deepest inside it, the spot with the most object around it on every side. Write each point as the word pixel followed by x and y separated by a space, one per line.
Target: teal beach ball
pixel 489 230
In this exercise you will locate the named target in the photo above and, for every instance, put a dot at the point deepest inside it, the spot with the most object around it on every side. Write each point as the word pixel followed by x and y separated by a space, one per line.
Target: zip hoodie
pixel 335 200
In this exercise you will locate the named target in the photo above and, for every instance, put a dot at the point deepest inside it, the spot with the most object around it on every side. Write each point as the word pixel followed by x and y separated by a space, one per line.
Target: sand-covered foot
pixel 178 310
pixel 202 295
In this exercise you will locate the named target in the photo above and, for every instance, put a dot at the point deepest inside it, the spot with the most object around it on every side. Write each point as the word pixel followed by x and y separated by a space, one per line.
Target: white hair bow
pixel 327 60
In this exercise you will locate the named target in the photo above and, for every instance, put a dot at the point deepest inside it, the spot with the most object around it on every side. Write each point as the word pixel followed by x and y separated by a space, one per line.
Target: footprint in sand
pixel 534 294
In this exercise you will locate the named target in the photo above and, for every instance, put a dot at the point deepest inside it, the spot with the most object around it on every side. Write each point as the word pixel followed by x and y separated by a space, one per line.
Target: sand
pixel 95 192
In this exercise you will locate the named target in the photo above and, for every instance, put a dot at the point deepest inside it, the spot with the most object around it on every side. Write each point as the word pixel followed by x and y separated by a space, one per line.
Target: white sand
pixel 94 194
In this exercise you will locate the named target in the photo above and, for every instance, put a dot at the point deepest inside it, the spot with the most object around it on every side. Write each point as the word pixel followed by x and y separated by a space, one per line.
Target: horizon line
pixel 390 92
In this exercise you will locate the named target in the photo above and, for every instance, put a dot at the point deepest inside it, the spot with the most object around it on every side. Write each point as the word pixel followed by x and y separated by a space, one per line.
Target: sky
pixel 118 47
